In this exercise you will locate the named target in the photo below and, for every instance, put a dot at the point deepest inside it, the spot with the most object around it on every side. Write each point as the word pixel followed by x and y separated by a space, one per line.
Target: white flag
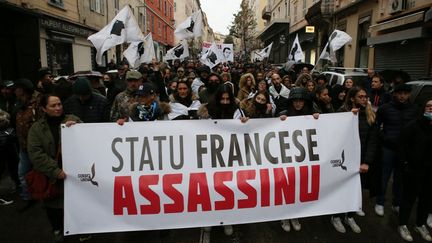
pixel 264 52
pixel 336 41
pixel 191 27
pixel 140 51
pixel 149 51
pixel 213 56
pixel 296 53
pixel 179 51
pixel 123 28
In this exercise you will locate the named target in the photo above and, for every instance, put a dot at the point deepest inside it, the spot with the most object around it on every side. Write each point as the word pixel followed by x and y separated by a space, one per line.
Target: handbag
pixel 39 185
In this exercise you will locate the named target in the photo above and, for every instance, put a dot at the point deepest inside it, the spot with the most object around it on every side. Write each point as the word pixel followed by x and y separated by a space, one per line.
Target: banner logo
pixel 339 162
pixel 89 177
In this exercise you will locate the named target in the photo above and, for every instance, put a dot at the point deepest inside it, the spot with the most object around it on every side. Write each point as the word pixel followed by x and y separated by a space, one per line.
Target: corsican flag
pixel 123 28
pixel 191 27
pixel 296 53
pixel 179 51
pixel 264 52
pixel 213 56
pixel 336 41
pixel 140 51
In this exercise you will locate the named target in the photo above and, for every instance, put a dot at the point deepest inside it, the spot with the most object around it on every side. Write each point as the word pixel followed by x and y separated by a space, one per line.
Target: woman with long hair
pixel 357 102
pixel 184 104
pixel 246 86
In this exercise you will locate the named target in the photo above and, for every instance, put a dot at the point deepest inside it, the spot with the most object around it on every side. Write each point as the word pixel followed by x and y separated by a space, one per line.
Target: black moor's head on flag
pixel 212 57
pixel 191 25
pixel 117 28
pixel 293 51
pixel 178 51
pixel 141 48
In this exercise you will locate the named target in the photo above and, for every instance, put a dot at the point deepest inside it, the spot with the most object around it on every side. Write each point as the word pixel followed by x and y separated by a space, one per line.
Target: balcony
pixel 266 13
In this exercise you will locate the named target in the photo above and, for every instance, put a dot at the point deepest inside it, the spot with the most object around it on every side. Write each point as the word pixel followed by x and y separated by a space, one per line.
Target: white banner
pixel 179 174
pixel 227 50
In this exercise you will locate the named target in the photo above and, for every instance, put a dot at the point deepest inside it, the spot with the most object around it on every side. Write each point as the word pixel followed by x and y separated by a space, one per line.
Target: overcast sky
pixel 220 13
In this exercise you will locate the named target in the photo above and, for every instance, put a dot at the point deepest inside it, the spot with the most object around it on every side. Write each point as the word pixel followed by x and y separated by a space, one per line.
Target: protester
pixel 89 106
pixel 278 92
pixel 247 86
pixel 44 151
pixel 356 102
pixel 338 96
pixel 299 104
pixel 209 90
pixel 184 104
pixel 322 102
pixel 391 118
pixel 378 95
pixel 28 111
pixel 348 83
pixel 120 107
pixel 259 106
pixel 118 84
pixel 415 141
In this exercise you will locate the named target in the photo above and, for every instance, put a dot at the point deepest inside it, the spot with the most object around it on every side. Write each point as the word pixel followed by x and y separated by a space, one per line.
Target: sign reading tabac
pixel 195 173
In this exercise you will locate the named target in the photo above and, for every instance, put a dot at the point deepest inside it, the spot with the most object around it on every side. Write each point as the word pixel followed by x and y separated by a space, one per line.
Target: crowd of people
pixel 394 133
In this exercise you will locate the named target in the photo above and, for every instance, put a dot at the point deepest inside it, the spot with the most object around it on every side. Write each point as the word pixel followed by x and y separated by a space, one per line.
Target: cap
pixel 24 83
pixel 82 86
pixel 133 75
pixel 402 87
pixel 145 89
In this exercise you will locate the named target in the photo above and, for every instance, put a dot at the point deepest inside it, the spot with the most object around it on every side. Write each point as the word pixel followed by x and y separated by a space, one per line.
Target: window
pixel 152 24
pixel 116 4
pixel 304 8
pixel 160 4
pixel 295 12
pixel 97 6
pixel 159 28
pixel 175 6
pixel 58 3
pixel 165 9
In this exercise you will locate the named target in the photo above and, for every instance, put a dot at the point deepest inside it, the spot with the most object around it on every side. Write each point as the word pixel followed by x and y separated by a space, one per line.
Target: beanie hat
pixel 82 86
pixel 25 84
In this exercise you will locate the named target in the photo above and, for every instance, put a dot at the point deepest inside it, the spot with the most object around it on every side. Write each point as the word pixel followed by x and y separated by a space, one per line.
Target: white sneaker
pixel 5 201
pixel 404 233
pixel 379 210
pixel 395 209
pixel 360 213
pixel 429 220
pixel 353 225
pixel 296 224
pixel 337 223
pixel 228 230
pixel 205 235
pixel 423 232
pixel 286 225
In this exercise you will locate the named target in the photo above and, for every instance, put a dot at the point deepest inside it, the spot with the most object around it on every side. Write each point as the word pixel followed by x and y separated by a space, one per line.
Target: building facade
pixel 160 22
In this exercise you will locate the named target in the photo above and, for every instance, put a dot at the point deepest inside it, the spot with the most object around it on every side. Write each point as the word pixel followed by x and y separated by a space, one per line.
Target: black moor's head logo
pixel 178 51
pixel 212 57
pixel 339 162
pixel 117 28
pixel 89 177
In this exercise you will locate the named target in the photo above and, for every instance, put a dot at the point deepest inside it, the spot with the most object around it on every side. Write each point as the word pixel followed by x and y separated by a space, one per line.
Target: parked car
pixel 421 91
pixel 337 75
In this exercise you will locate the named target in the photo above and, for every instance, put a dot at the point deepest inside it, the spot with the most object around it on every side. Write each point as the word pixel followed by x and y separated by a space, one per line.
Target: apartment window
pixel 295 12
pixel 116 4
pixel 304 8
pixel 160 4
pixel 97 6
pixel 141 19
pixel 159 28
pixel 58 3
pixel 165 9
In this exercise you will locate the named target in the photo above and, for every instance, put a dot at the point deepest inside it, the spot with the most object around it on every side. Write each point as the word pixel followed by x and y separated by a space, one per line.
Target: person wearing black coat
pixel 391 118
pixel 356 102
pixel 378 95
pixel 416 163
pixel 86 104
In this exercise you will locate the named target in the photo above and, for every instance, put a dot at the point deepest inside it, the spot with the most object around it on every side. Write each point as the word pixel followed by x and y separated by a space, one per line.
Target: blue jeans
pixel 24 167
pixel 389 165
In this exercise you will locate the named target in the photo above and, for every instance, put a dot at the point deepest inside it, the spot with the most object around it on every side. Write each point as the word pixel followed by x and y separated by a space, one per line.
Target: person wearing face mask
pixel 214 81
pixel 357 102
pixel 184 104
pixel 415 142
pixel 258 106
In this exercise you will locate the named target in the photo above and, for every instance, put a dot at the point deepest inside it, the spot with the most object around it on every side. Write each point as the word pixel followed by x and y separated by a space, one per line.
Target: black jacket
pixel 379 97
pixel 96 109
pixel 415 145
pixel 393 116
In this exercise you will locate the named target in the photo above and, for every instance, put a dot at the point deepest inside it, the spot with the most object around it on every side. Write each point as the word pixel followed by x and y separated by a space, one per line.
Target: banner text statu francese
pixel 254 183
